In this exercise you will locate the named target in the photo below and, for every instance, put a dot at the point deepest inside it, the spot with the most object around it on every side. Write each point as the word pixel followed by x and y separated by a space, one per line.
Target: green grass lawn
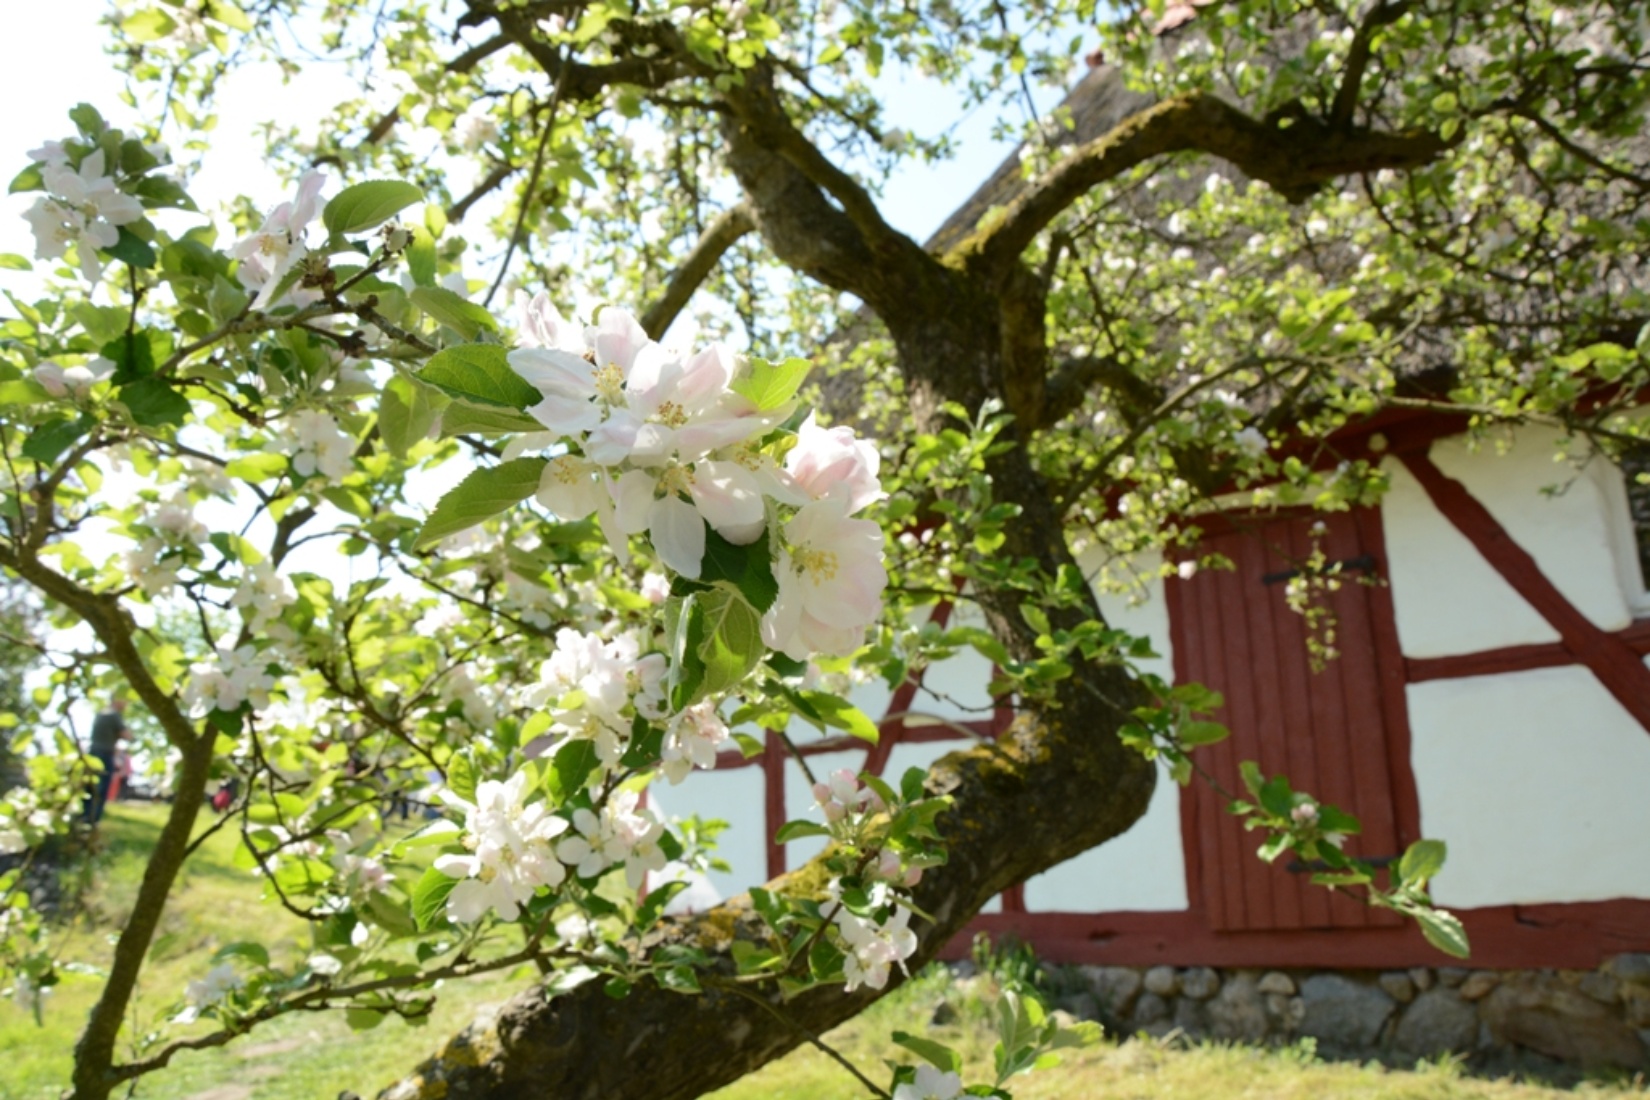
pixel 315 1056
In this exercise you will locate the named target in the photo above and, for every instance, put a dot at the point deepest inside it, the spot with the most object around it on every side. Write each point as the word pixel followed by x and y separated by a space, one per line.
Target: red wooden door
pixel 1335 733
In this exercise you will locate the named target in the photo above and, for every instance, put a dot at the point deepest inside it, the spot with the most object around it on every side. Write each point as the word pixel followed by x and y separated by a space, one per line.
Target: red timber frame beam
pixel 1611 657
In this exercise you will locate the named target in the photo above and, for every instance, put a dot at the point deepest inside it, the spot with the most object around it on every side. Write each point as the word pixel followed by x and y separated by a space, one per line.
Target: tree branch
pixel 1293 152
pixel 1383 14
pixel 719 236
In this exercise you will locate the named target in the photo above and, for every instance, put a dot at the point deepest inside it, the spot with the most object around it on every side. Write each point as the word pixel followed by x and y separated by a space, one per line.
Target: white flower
pixel 74 381
pixel 219 982
pixel 28 994
pixel 930 1083
pixel 262 595
pixel 1304 814
pixel 1251 441
pixel 543 327
pixel 692 740
pixel 871 949
pixel 83 208
pixel 673 506
pixel 325 965
pixel 318 447
pixel 596 684
pixel 237 676
pixel 511 850
pixel 834 460
pixel 475 130
pixel 270 254
pixel 841 795
pixel 830 582
pixel 655 588
pixel 621 833
pixel 11 838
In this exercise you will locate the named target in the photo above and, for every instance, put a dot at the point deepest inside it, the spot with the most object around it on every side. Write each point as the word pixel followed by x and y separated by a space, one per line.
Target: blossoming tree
pixel 654 545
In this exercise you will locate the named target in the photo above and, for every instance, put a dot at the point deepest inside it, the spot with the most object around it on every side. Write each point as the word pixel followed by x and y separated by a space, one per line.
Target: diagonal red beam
pixel 1609 656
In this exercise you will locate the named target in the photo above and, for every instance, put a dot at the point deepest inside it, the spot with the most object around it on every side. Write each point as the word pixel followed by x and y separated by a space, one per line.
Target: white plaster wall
pixel 1539 782
pixel 1447 598
pixel 733 795
pixel 1568 531
pixel 1144 869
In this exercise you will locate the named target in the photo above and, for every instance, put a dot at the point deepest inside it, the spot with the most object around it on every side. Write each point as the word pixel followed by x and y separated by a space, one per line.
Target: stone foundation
pixel 1584 1019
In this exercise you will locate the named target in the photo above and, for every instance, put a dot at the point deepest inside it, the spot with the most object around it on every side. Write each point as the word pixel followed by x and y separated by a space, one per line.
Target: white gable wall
pixel 1537 780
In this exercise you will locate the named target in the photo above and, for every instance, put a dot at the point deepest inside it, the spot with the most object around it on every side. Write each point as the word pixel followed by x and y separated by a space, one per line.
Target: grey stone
pixel 1342 1013
pixel 944 1013
pixel 1199 983
pixel 1638 1006
pixel 1115 987
pixel 1083 1006
pixel 1285 1013
pixel 1398 986
pixel 1237 1011
pixel 1478 984
pixel 1162 981
pixel 1277 982
pixel 1150 1009
pixel 1192 1017
pixel 1632 968
pixel 1438 1021
pixel 1600 987
pixel 1421 976
pixel 1451 976
pixel 1547 1015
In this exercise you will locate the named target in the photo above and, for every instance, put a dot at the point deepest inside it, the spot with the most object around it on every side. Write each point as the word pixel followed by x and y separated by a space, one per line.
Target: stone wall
pixel 1582 1019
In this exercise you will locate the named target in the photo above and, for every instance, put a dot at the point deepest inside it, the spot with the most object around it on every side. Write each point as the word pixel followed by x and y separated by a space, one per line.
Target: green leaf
pixel 11 261
pixel 570 767
pixel 480 373
pixel 55 436
pixel 254 953
pixel 258 467
pixel 87 120
pixel 731 642
pixel 461 418
pixel 368 204
pixel 133 355
pixel 421 257
pixel 838 713
pixel 650 910
pixel 1443 931
pixel 1193 734
pixel 461 777
pixel 747 568
pixel 935 1054
pixel 161 191
pixel 364 1019
pixel 429 897
pixel 132 249
pixel 148 25
pixel 769 385
pixel 483 494
pixel 29 179
pixel 796 830
pixel 153 403
pixel 458 313
pixel 23 391
pixel 406 412
pixel 1422 860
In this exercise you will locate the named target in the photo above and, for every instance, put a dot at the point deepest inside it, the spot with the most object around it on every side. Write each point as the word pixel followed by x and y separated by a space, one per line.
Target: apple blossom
pixel 237 676
pixel 930 1083
pixel 510 851
pixel 873 948
pixel 270 254
pixel 83 207
pixel 841 795
pixel 219 982
pixel 830 582
pixel 620 833
pixel 75 381
pixel 318 447
pixel 692 740
pixel 834 460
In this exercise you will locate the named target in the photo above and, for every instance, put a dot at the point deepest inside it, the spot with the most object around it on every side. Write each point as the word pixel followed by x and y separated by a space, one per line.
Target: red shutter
pixel 1328 731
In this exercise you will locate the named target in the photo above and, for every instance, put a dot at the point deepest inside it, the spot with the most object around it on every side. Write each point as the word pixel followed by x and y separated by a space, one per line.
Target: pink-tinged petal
pixel 654 446
pixel 554 372
pixel 468 902
pixel 309 195
pixel 456 866
pixel 633 499
pixel 606 516
pixel 611 442
pixel 705 377
pixel 730 499
pixel 701 437
pixel 651 381
pixel 618 338
pixel 678 534
pixel 566 416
